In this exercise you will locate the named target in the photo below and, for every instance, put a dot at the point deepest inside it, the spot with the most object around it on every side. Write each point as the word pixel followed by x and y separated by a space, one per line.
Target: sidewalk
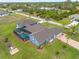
pixel 70 42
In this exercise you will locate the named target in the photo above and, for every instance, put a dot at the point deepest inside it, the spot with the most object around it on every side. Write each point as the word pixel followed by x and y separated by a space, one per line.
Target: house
pixel 36 33
pixel 77 7
pixel 19 10
pixel 74 17
pixel 48 8
pixel 3 13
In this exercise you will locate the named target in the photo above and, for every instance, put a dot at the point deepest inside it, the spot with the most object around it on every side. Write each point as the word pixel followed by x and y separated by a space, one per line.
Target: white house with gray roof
pixel 3 13
pixel 74 17
pixel 36 33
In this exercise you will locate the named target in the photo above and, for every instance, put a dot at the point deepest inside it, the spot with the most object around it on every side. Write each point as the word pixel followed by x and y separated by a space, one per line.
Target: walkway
pixel 70 42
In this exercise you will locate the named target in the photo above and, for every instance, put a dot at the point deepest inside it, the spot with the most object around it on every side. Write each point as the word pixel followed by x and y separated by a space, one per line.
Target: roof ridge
pixel 39 31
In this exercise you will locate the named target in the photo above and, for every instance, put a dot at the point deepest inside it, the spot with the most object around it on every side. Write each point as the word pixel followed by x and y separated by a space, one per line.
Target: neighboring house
pixel 77 7
pixel 74 23
pixel 48 8
pixel 3 13
pixel 19 10
pixel 74 17
pixel 36 33
pixel 75 20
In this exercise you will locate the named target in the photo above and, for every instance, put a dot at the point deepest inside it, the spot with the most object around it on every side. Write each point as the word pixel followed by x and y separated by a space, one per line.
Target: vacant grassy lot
pixel 11 18
pixel 27 51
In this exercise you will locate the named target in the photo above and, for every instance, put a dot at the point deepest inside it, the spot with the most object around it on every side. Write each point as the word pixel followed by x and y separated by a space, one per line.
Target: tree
pixel 71 32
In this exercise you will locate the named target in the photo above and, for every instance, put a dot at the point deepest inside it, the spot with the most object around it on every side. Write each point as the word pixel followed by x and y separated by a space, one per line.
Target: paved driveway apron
pixel 70 42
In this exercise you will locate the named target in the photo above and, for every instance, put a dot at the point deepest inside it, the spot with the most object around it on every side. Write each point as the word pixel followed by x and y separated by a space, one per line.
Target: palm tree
pixel 71 32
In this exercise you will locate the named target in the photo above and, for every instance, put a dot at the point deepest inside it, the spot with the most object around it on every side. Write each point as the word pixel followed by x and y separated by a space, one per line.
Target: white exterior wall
pixel 52 39
pixel 55 37
pixel 17 26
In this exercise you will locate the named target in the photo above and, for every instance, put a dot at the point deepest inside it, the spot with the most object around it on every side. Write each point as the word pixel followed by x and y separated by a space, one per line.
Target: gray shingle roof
pixel 45 34
pixel 26 23
pixel 40 32
pixel 74 16
pixel 36 28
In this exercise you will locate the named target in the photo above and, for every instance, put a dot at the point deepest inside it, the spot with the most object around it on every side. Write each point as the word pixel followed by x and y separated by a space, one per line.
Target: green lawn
pixel 30 15
pixel 65 21
pixel 46 24
pixel 27 51
pixel 12 18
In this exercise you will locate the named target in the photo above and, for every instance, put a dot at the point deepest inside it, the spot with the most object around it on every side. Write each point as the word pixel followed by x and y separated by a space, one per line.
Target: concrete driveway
pixel 70 42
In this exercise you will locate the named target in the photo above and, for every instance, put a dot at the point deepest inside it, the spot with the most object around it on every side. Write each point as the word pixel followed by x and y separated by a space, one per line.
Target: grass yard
pixel 75 37
pixel 11 18
pixel 65 21
pixel 46 24
pixel 31 15
pixel 27 51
